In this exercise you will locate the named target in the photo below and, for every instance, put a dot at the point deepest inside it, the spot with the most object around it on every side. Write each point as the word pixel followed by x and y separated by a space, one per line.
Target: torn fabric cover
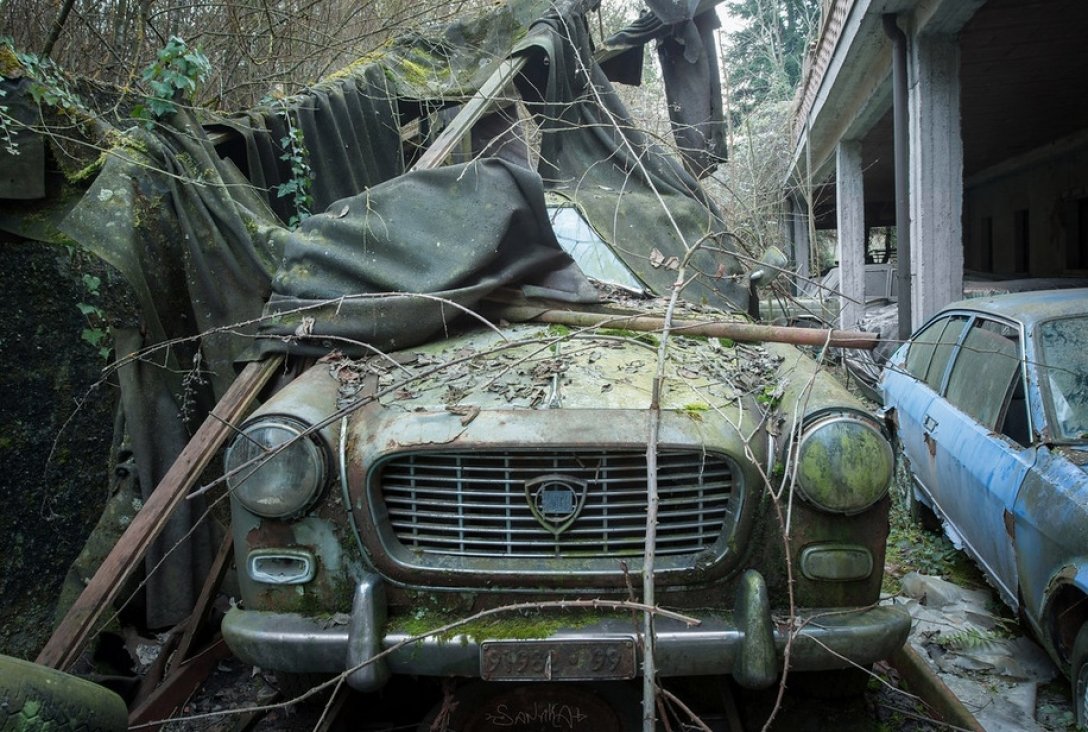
pixel 351 138
pixel 689 65
pixel 633 192
pixel 451 235
pixel 176 221
pixel 688 55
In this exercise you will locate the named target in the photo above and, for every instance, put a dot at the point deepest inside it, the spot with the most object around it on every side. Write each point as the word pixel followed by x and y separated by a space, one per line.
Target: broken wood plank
pixel 177 687
pixel 204 602
pixel 924 682
pixel 156 672
pixel 748 332
pixel 471 113
pixel 74 630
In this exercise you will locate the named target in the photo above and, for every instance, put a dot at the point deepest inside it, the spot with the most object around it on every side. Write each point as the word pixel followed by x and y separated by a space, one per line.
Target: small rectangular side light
pixel 836 562
pixel 281 567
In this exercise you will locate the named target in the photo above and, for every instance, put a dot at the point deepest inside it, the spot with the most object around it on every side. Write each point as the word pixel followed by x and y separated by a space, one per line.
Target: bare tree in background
pixel 254 46
pixel 762 65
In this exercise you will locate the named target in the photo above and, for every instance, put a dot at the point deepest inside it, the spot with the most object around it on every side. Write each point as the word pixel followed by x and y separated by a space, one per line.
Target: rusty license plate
pixel 558 660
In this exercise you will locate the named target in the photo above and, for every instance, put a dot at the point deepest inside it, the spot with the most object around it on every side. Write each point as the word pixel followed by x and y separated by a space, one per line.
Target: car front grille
pixel 481 504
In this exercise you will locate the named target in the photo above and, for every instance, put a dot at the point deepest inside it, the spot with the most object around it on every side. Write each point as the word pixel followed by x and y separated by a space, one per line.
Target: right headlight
pixel 844 461
pixel 276 468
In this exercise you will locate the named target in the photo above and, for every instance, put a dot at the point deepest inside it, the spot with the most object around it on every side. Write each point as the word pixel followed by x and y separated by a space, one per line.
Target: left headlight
pixel 844 461
pixel 275 468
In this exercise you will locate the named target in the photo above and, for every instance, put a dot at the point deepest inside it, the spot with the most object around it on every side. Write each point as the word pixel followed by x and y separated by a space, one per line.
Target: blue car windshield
pixel 1063 371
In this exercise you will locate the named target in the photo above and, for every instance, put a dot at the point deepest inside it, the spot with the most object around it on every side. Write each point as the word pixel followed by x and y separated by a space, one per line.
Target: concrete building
pixel 988 103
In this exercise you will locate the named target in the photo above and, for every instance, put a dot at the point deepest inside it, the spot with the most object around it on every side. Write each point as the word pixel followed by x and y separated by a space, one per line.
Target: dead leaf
pixel 347 375
pixel 467 413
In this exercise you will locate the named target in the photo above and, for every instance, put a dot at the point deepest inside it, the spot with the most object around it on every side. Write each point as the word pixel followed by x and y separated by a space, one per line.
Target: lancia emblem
pixel 555 500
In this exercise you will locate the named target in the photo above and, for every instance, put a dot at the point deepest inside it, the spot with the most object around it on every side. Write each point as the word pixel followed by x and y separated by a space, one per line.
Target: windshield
pixel 592 254
pixel 1063 373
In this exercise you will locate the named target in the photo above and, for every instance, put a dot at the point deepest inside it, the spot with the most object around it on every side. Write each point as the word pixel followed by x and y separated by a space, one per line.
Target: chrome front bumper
pixel 746 644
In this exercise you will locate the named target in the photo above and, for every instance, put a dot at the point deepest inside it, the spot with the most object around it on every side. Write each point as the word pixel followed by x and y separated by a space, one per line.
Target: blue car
pixel 989 403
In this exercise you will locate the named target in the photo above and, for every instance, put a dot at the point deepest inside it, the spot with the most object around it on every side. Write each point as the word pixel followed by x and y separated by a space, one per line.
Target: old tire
pixel 37 697
pixel 919 513
pixel 1079 678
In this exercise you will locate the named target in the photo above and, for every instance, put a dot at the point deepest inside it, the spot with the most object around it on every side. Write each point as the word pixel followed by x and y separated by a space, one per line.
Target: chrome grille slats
pixel 474 504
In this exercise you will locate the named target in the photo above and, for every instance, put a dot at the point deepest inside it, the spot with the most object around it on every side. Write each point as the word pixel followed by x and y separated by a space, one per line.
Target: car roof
pixel 1029 307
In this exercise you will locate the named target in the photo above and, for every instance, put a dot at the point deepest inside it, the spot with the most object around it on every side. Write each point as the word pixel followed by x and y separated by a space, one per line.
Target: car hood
pixel 540 367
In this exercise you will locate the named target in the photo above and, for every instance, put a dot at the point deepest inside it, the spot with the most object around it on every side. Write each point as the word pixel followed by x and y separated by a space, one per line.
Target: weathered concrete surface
pixel 850 193
pixel 936 175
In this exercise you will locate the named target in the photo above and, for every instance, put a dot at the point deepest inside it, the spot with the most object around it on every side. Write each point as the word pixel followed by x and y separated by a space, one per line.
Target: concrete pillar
pixel 936 175
pixel 850 211
pixel 801 248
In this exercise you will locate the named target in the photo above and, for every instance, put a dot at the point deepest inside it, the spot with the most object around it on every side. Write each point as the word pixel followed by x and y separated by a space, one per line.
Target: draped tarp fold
pixel 635 193
pixel 453 234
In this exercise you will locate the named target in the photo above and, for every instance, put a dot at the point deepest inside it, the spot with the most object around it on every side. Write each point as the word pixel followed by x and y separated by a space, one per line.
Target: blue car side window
pixel 981 381
pixel 930 350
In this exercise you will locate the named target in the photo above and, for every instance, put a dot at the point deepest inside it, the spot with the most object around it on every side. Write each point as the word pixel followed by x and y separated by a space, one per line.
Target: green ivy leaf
pixel 94 336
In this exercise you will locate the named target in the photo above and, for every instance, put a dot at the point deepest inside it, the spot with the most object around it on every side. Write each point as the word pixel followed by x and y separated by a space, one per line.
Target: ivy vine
pixel 47 85
pixel 176 74
pixel 300 185
pixel 95 333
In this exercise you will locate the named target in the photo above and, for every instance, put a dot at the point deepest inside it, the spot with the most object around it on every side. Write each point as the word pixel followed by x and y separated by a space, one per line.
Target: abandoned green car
pixel 516 460
pixel 377 501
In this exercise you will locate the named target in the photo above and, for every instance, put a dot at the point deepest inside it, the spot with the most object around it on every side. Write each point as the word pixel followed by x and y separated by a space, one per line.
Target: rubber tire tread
pixel 924 516
pixel 1080 660
pixel 34 697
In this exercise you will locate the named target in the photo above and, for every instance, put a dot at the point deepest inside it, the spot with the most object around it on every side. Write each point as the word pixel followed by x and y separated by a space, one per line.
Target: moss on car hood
pixel 541 367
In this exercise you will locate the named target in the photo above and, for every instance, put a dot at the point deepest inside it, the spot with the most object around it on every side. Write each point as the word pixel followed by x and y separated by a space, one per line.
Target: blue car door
pixel 911 384
pixel 979 470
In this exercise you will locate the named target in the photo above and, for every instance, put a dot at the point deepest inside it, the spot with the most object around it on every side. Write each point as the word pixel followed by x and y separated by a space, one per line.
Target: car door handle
pixel 929 423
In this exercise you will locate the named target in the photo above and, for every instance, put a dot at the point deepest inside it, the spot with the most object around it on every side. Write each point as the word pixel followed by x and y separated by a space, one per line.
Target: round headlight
pixel 844 462
pixel 275 468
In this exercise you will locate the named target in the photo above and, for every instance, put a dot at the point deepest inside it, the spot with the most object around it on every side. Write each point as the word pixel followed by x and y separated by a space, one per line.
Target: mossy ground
pixel 912 548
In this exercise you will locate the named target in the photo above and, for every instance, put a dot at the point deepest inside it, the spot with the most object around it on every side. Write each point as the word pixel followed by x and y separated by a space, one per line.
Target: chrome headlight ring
pixel 277 467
